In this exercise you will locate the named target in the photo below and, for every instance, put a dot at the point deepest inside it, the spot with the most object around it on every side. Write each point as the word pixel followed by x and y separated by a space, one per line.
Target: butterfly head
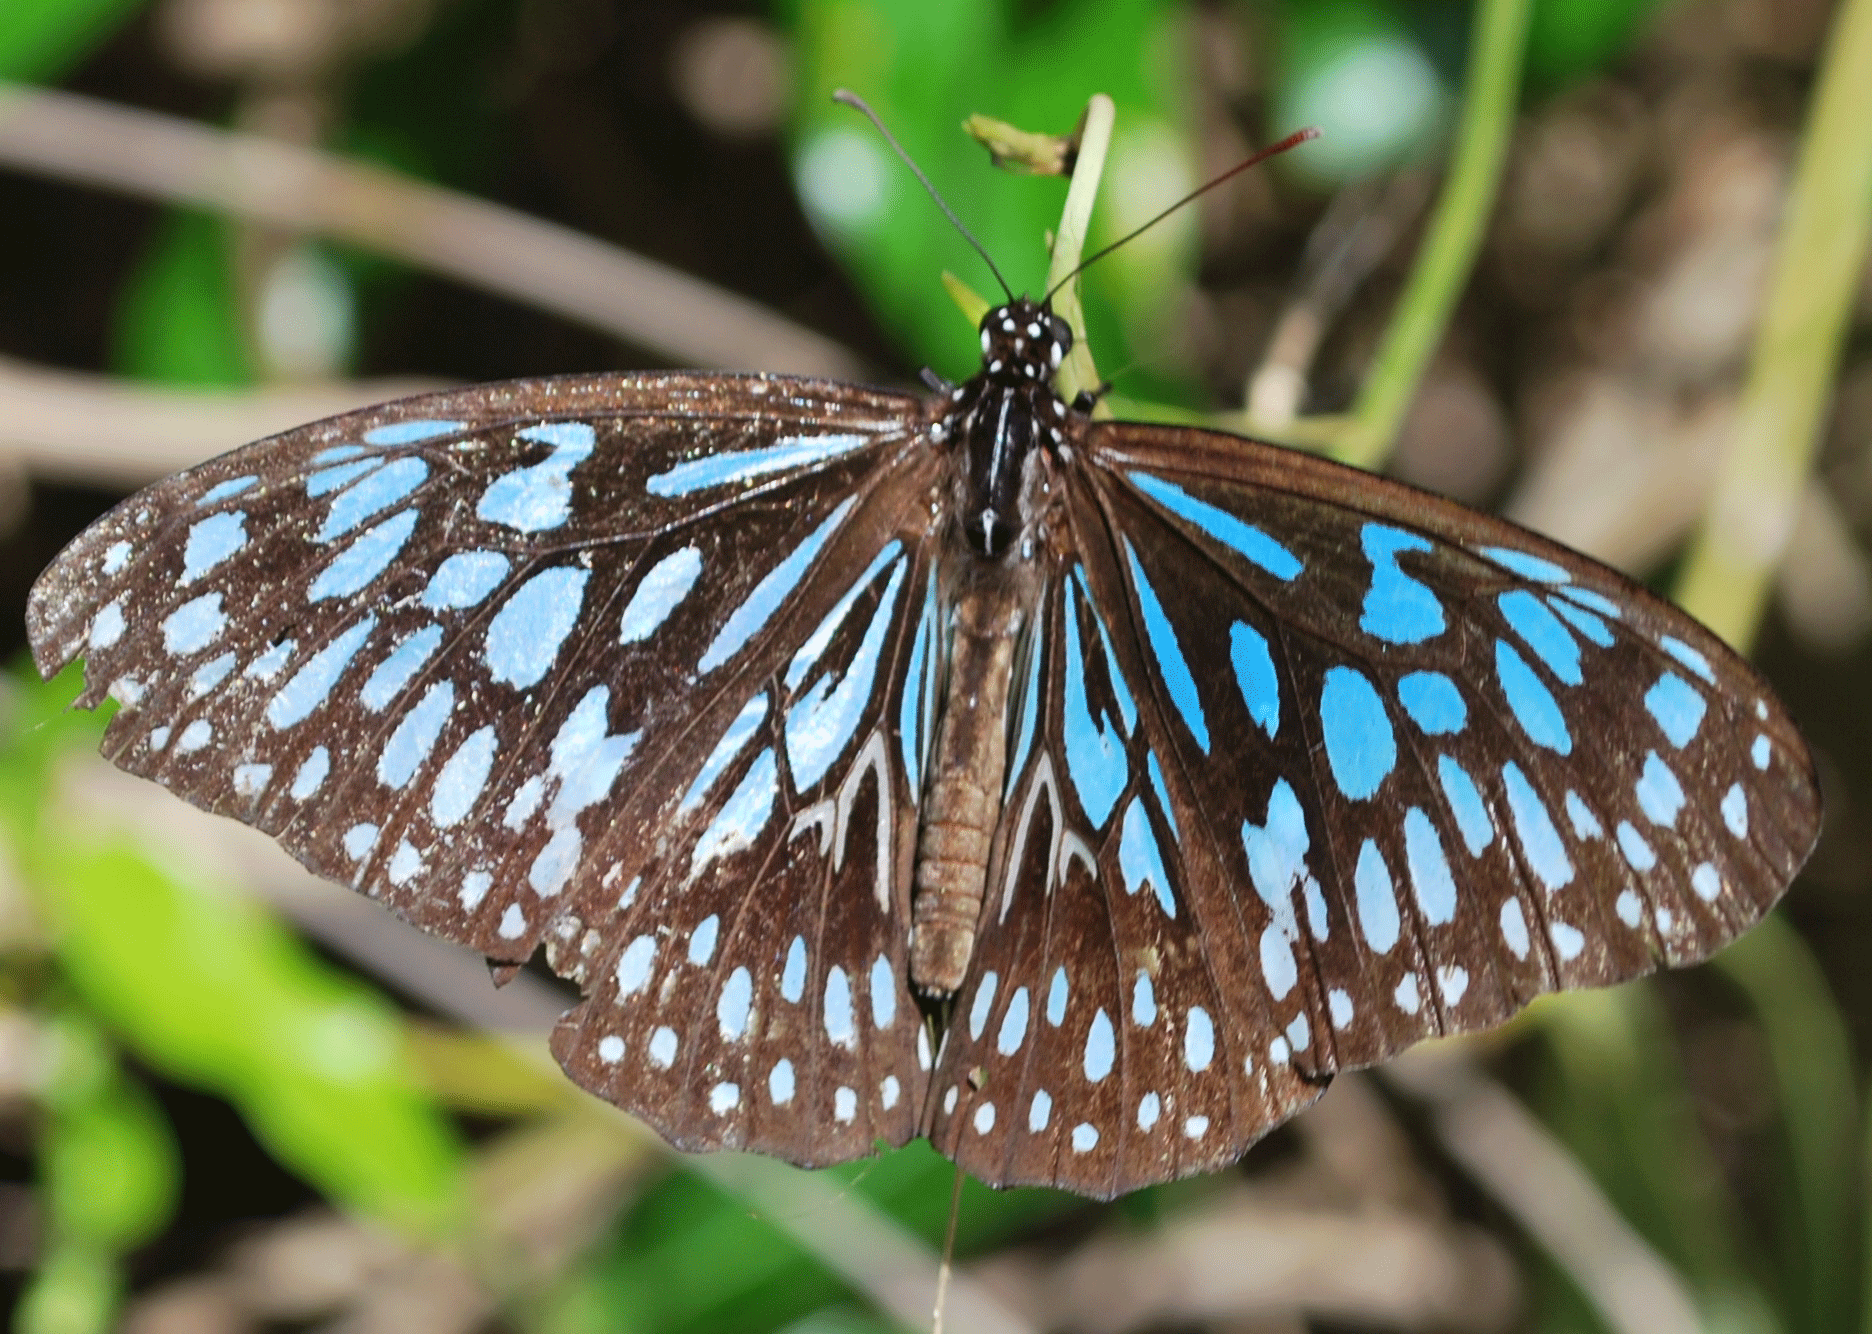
pixel 1024 340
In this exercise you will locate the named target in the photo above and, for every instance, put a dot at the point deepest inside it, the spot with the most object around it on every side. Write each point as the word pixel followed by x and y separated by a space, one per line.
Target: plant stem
pixel 1078 373
pixel 1454 237
pixel 1818 259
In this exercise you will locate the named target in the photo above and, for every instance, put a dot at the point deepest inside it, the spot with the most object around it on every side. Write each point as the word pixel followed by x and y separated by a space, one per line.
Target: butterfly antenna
pixel 948 1254
pixel 852 99
pixel 1293 140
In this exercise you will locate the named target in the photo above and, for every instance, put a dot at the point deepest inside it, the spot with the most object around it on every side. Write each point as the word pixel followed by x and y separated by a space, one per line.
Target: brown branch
pixel 470 240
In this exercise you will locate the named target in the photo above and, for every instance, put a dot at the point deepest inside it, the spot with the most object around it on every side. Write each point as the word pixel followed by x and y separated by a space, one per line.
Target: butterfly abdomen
pixel 963 803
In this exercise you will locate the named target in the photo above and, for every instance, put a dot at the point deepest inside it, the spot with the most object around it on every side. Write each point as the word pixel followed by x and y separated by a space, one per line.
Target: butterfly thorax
pixel 1002 420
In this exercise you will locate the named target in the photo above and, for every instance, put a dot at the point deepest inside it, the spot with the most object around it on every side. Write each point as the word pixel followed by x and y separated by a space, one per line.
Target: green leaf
pixel 75 1290
pixel 41 39
pixel 178 319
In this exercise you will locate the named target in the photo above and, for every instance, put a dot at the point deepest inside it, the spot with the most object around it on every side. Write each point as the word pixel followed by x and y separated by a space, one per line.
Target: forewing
pixel 493 657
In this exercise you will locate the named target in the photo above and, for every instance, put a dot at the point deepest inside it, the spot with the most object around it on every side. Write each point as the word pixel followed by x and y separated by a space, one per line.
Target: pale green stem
pixel 1454 237
pixel 1077 373
pixel 1819 257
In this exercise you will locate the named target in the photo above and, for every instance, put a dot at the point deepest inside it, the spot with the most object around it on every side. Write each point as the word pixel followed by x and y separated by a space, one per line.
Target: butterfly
pixel 1078 794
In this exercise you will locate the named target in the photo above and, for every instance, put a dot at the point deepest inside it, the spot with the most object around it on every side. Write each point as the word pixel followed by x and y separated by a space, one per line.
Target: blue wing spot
pixel 1677 707
pixel 463 776
pixel 1735 810
pixel 327 480
pixel 397 670
pixel 337 453
pixel 1140 860
pixel 1101 1048
pixel 1585 823
pixel 739 822
pixel 1163 793
pixel 1543 632
pixel 793 975
pixel 1172 667
pixel 1254 674
pixel 222 490
pixel 1398 608
pixel 746 620
pixel 1433 703
pixel 212 541
pixel 1533 704
pixel 1360 745
pixel 525 635
pixel 1143 1001
pixel 1377 900
pixel 1527 566
pixel 464 579
pixel 409 432
pixel 1095 757
pixel 311 685
pixel 1057 994
pixel 535 498
pixel 1245 539
pixel 1198 1040
pixel 1688 656
pixel 415 736
pixel 1430 875
pixel 375 492
pixel 1598 602
pixel 1581 619
pixel 1632 843
pixel 1540 840
pixel 1472 817
pixel 361 562
pixel 739 733
pixel 1660 795
pixel 794 451
pixel 1759 751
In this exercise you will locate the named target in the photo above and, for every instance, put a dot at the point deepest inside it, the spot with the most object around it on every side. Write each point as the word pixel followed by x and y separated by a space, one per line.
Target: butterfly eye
pixel 1062 333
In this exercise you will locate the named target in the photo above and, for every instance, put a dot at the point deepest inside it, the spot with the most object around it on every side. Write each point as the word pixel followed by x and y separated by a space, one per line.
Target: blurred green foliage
pixel 42 39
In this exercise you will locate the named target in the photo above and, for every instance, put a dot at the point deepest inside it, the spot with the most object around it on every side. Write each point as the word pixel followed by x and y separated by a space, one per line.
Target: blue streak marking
pixel 823 721
pixel 1172 667
pixel 1255 676
pixel 1688 656
pixel 464 579
pixel 1528 566
pixel 1540 840
pixel 415 736
pixel 311 685
pixel 817 642
pixel 910 709
pixel 742 816
pixel 220 491
pixel 1245 539
pixel 337 452
pixel 538 497
pixel 1543 633
pixel 1533 704
pixel 409 432
pixel 1122 691
pixel 1430 875
pixel 1140 860
pixel 1377 901
pixel 1581 619
pixel 212 541
pixel 1163 793
pixel 1472 817
pixel 1433 703
pixel 1095 757
pixel 759 606
pixel 1660 796
pixel 658 594
pixel 1598 602
pixel 1013 1025
pixel 1677 707
pixel 395 671
pixel 1398 608
pixel 1632 843
pixel 371 494
pixel 794 451
pixel 1029 711
pixel 358 564
pixel 1361 748
pixel 525 635
pixel 327 480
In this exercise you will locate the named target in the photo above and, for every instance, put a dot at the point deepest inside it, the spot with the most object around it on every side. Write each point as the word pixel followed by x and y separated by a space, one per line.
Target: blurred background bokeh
pixel 1529 265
